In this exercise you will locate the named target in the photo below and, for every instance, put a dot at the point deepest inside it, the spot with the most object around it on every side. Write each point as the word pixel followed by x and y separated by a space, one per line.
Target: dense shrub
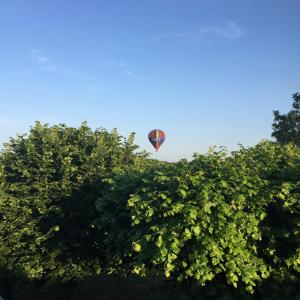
pixel 51 179
pixel 77 202
pixel 220 220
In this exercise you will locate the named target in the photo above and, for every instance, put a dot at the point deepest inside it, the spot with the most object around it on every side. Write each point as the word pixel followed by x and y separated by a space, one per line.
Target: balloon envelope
pixel 156 138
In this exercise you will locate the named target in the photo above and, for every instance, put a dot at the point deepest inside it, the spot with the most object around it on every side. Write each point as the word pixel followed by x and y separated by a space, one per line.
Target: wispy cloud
pixel 181 35
pixel 46 65
pixel 123 67
pixel 42 60
pixel 38 56
pixel 228 29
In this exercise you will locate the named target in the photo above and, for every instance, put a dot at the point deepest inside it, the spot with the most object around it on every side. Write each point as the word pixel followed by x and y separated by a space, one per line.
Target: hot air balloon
pixel 156 138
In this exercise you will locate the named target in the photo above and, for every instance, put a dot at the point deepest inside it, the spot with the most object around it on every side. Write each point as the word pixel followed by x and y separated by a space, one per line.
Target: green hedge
pixel 76 202
pixel 229 223
pixel 51 178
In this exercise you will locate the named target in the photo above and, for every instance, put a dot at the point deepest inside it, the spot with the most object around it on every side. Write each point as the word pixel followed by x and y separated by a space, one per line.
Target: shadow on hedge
pixel 13 286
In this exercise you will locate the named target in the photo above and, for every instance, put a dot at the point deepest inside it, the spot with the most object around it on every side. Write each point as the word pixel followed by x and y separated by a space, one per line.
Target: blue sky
pixel 208 72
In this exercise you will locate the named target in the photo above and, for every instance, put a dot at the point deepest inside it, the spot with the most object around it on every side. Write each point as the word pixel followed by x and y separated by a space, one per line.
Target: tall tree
pixel 286 127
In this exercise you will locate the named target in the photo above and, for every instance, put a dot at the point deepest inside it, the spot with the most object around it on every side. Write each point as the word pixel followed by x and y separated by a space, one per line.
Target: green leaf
pixel 137 247
pixel 196 230
pixel 56 228
pixel 182 192
pixel 262 216
pixel 159 241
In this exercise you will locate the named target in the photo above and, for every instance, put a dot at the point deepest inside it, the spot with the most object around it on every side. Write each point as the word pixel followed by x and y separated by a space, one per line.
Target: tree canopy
pixel 286 127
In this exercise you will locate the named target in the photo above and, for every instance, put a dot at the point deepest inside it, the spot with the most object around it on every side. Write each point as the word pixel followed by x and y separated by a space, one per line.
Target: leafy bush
pixel 51 179
pixel 77 202
pixel 230 220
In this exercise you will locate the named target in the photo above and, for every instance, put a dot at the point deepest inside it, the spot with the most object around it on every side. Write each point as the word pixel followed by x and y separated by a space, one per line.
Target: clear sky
pixel 208 72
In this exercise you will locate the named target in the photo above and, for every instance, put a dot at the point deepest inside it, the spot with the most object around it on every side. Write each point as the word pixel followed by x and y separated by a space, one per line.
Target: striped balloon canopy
pixel 156 138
